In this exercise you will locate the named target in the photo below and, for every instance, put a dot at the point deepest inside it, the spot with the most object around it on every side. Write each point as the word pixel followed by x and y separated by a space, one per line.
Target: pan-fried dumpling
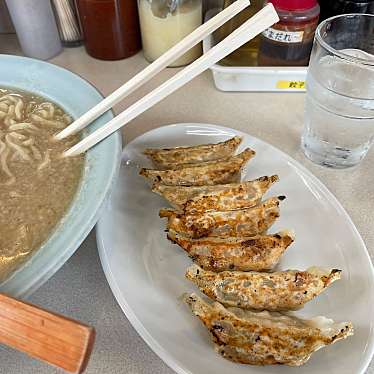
pixel 197 199
pixel 243 222
pixel 258 253
pixel 283 290
pixel 264 338
pixel 206 173
pixel 168 157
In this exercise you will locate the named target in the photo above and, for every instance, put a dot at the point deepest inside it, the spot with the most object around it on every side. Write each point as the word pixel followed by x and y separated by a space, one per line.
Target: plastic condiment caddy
pixel 276 79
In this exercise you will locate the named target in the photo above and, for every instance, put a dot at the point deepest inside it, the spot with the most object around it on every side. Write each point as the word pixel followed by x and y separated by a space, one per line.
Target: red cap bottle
pixel 289 42
pixel 294 4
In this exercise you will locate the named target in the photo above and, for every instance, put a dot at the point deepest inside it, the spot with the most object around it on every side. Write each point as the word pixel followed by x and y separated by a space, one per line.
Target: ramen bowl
pixel 75 96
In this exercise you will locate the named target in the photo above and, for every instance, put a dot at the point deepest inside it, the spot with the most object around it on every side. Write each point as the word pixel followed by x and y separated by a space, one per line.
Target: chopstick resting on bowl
pixel 151 70
pixel 247 31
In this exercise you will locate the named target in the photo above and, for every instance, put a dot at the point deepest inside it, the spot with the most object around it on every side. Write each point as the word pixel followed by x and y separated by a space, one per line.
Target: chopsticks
pixel 248 30
pixel 151 70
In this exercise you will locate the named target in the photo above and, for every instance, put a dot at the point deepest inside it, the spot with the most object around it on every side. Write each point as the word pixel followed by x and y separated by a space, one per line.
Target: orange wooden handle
pixel 47 336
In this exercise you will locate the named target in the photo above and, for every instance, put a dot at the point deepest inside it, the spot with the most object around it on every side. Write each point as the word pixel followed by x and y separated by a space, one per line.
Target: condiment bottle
pixel 246 55
pixel 331 8
pixel 110 28
pixel 289 42
pixel 164 23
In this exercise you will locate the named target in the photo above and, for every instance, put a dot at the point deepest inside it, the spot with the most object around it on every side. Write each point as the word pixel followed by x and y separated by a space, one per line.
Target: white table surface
pixel 80 291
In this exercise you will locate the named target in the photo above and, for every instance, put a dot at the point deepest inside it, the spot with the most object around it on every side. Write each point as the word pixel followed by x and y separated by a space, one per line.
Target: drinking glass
pixel 339 109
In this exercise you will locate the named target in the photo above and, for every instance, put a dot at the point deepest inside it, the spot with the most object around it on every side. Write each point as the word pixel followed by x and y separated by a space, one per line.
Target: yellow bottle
pixel 246 55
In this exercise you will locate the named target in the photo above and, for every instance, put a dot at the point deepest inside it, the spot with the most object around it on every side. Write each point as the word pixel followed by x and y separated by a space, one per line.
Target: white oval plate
pixel 146 272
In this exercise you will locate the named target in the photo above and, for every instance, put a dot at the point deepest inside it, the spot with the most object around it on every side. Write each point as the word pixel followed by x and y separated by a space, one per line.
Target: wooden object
pixel 52 338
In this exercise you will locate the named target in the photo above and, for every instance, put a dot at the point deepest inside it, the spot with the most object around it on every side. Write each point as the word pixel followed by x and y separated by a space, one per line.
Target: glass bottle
pixel 110 28
pixel 163 23
pixel 246 55
pixel 289 42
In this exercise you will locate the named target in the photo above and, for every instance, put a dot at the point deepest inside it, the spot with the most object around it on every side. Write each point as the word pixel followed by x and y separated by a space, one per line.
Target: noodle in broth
pixel 36 184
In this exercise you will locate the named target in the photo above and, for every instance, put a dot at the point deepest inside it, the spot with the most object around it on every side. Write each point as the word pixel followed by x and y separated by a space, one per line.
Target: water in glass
pixel 339 111
pixel 339 121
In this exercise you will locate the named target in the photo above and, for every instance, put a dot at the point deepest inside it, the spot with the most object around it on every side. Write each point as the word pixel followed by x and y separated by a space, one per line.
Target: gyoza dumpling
pixel 197 199
pixel 264 338
pixel 282 290
pixel 206 173
pixel 261 252
pixel 168 157
pixel 243 222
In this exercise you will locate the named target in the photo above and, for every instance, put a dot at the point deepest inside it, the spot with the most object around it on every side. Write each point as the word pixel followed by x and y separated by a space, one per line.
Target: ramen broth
pixel 37 185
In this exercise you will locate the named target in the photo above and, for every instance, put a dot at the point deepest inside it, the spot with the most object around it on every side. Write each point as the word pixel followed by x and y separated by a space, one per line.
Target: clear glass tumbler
pixel 339 108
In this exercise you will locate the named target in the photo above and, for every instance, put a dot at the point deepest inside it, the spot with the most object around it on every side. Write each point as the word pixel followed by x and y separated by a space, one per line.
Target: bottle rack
pixel 246 79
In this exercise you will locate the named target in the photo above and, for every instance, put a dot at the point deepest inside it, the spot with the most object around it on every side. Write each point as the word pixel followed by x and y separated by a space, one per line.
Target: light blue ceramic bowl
pixel 76 96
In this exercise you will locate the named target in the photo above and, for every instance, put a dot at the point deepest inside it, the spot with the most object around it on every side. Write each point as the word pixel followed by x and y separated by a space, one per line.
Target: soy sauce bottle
pixel 110 28
pixel 289 42
pixel 247 54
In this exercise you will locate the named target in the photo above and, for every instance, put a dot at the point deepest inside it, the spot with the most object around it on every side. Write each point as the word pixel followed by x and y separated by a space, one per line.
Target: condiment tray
pixel 243 78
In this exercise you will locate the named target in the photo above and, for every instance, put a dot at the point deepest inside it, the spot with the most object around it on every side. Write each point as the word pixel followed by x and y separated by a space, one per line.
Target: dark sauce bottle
pixel 110 28
pixel 290 41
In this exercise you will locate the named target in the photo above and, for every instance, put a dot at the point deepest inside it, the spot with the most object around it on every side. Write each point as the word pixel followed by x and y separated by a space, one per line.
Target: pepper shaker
pixel 36 27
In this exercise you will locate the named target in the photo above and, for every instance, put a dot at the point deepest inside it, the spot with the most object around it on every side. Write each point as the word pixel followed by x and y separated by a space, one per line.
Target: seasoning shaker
pixel 163 23
pixel 110 28
pixel 289 42
pixel 36 27
pixel 246 55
